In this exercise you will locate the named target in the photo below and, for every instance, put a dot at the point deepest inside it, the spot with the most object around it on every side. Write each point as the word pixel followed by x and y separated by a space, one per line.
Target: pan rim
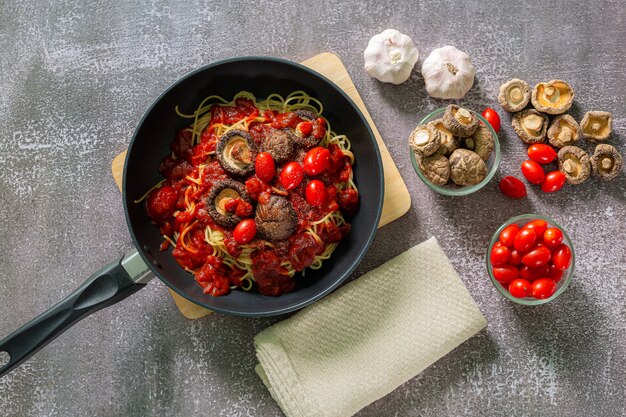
pixel 341 277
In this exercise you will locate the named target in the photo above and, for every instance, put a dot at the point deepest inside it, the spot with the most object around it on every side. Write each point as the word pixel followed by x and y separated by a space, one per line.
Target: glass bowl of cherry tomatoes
pixel 492 162
pixel 530 259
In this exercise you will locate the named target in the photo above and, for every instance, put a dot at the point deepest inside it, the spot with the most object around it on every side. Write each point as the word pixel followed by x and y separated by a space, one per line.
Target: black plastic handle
pixel 104 288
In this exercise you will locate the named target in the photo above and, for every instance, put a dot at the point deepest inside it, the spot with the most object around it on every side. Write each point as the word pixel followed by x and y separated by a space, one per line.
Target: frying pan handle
pixel 109 285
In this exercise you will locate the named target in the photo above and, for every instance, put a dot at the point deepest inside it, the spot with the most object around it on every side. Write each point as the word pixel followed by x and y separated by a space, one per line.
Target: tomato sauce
pixel 179 205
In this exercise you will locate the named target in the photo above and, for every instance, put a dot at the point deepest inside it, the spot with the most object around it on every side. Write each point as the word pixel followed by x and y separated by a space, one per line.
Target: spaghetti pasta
pixel 207 249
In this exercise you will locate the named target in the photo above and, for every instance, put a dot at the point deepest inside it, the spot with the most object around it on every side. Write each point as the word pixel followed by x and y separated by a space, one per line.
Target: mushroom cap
pixel 563 131
pixel 280 144
pixel 449 143
pixel 276 219
pixel 435 168
pixel 553 97
pixel 526 119
pixel 575 164
pixel 466 167
pixel 514 95
pixel 483 142
pixel 425 139
pixel 309 141
pixel 460 121
pixel 606 162
pixel 596 126
pixel 236 152
pixel 219 195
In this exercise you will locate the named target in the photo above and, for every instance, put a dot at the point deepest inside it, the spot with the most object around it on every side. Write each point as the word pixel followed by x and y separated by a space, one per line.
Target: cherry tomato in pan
pixel 264 167
pixel 291 176
pixel 524 240
pixel 532 274
pixel 537 257
pixel 507 235
pixel 519 288
pixel 553 237
pixel 315 193
pixel 305 128
pixel 499 255
pixel 542 154
pixel 515 258
pixel 539 226
pixel 505 273
pixel 316 161
pixel 555 273
pixel 543 288
pixel 562 257
pixel 512 187
pixel 492 117
pixel 554 182
pixel 245 231
pixel 533 172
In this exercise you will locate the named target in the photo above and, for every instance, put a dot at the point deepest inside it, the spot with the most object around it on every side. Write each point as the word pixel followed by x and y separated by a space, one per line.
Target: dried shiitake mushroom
pixel 449 143
pixel 435 168
pixel 460 121
pixel 466 167
pixel 530 126
pixel 575 164
pixel 425 139
pixel 596 125
pixel 481 142
pixel 514 95
pixel 563 131
pixel 606 162
pixel 553 97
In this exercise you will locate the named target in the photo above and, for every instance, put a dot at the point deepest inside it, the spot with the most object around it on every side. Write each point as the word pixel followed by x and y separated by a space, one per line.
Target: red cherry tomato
pixel 507 235
pixel 555 273
pixel 524 240
pixel 515 258
pixel 519 288
pixel 499 255
pixel 553 237
pixel 492 117
pixel 316 161
pixel 532 274
pixel 533 172
pixel 244 232
pixel 497 244
pixel 505 274
pixel 512 187
pixel 554 182
pixel 543 288
pixel 562 257
pixel 542 154
pixel 315 193
pixel 305 128
pixel 539 226
pixel 537 257
pixel 291 176
pixel 264 167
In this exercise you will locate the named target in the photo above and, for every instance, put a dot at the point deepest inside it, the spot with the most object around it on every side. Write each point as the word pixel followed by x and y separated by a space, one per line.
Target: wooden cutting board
pixel 397 200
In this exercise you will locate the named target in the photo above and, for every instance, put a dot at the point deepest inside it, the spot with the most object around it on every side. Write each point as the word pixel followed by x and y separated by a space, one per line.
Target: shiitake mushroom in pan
pixel 236 152
pixel 221 193
pixel 309 141
pixel 276 219
pixel 279 144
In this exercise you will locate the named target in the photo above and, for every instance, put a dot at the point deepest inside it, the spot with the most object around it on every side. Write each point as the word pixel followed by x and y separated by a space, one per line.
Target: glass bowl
pixel 567 274
pixel 456 190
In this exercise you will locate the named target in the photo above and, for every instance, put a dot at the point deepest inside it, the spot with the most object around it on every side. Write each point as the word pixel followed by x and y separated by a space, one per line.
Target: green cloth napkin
pixel 367 338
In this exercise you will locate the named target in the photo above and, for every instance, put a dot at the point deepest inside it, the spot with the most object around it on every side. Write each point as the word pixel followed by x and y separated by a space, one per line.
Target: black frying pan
pixel 118 280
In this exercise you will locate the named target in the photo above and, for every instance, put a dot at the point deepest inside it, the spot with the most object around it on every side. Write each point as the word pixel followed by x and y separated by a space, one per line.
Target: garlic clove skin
pixel 390 57
pixel 448 73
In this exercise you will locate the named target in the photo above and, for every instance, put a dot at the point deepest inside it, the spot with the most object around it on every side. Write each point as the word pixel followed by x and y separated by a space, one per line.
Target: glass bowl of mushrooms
pixel 530 259
pixel 454 150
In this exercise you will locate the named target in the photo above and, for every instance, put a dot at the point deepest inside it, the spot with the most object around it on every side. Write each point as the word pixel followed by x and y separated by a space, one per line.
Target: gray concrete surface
pixel 75 80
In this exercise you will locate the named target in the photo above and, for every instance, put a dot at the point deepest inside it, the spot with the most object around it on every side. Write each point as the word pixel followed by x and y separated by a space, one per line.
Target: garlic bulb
pixel 390 57
pixel 448 73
